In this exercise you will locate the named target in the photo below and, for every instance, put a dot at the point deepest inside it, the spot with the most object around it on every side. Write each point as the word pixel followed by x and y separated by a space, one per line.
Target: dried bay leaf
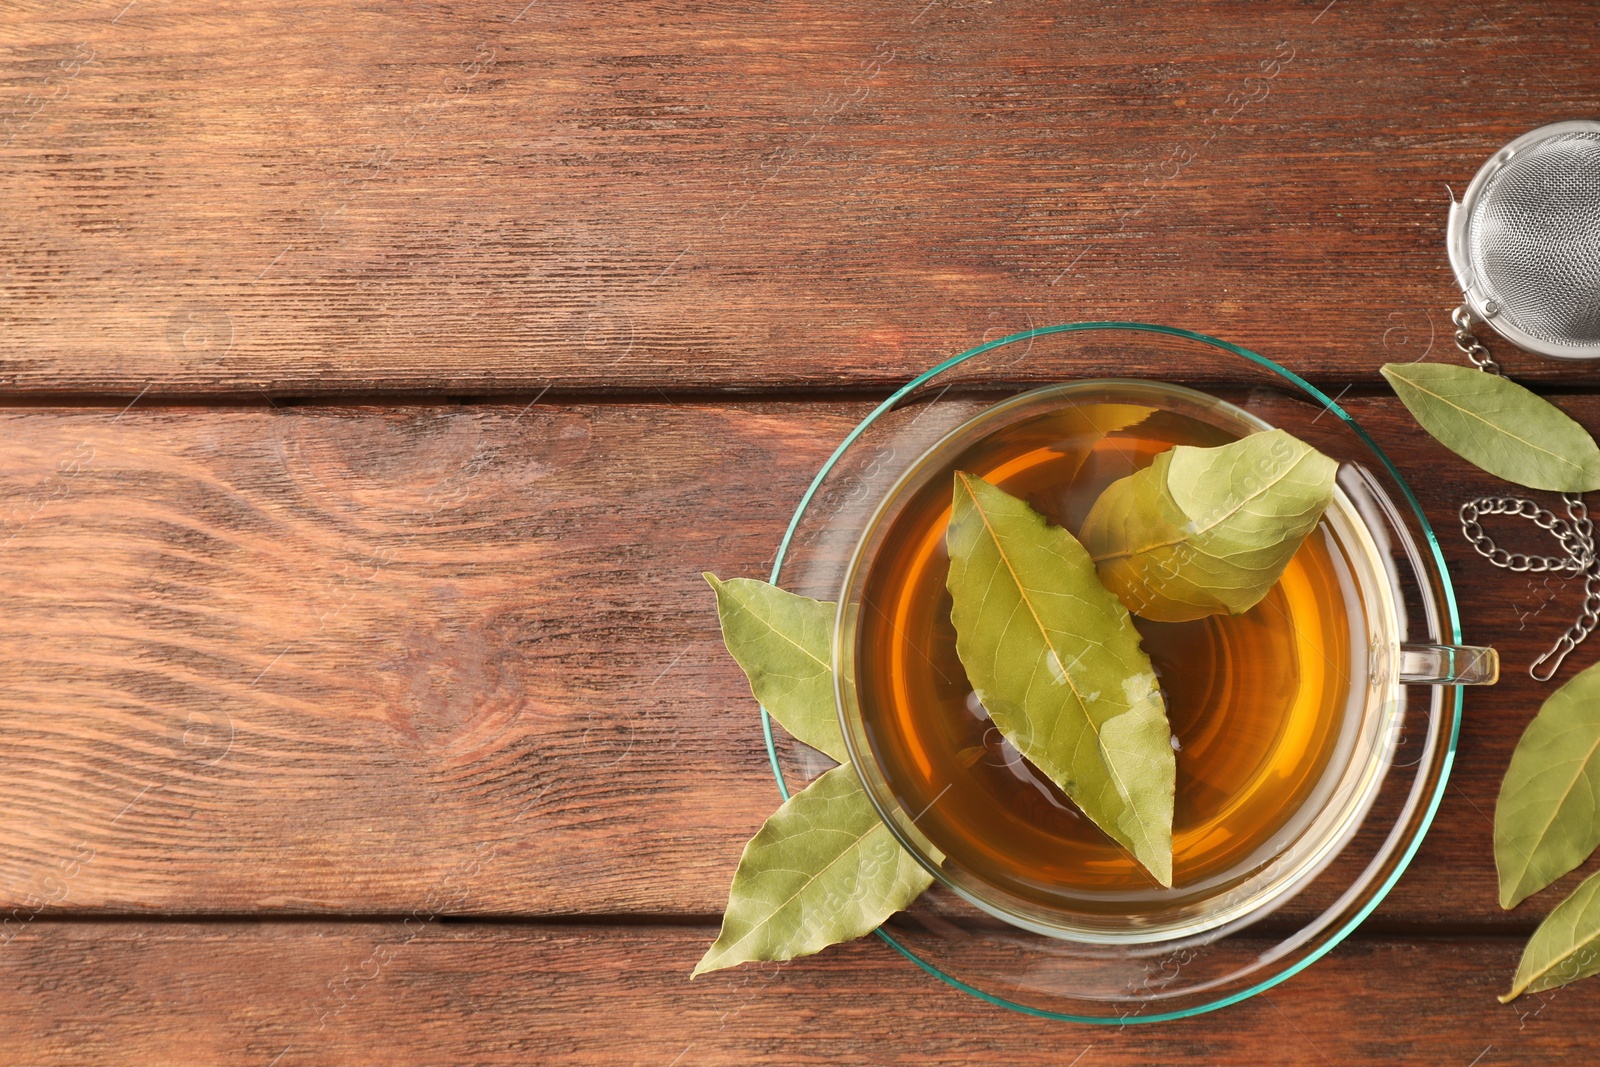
pixel 822 869
pixel 784 645
pixel 1056 661
pixel 1086 424
pixel 1565 947
pixel 1496 424
pixel 1207 531
pixel 1547 820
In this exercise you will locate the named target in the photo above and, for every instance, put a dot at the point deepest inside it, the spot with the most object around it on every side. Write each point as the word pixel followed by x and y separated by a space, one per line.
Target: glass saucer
pixel 1118 984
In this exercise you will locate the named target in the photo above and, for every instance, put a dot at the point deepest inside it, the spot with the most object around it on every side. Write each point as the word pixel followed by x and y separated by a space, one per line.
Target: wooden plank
pixel 309 660
pixel 225 993
pixel 484 199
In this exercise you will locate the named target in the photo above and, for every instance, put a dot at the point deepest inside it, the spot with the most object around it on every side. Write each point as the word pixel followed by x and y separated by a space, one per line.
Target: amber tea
pixel 1265 707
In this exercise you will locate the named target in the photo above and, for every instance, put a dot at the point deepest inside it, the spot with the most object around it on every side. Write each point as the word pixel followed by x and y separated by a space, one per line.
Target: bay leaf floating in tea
pixel 823 869
pixel 1208 531
pixel 1496 424
pixel 1547 820
pixel 784 645
pixel 1056 661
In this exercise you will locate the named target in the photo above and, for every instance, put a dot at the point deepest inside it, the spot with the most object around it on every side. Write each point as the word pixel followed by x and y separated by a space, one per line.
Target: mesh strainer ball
pixel 1525 241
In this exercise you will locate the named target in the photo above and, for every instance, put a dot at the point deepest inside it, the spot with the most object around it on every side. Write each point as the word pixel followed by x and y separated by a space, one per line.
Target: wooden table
pixel 379 378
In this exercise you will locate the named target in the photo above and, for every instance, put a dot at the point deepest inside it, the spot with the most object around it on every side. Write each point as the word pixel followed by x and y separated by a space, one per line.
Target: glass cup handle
pixel 1448 665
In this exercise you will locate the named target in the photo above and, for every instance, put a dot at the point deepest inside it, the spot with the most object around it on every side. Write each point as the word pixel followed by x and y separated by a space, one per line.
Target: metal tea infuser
pixel 1525 245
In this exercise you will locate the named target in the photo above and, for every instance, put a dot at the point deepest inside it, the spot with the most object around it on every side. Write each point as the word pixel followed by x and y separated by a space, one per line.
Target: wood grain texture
pixel 131 994
pixel 317 659
pixel 486 198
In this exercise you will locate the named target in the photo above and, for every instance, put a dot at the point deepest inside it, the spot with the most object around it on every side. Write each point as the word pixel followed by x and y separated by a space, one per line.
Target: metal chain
pixel 1470 346
pixel 1575 533
pixel 1578 546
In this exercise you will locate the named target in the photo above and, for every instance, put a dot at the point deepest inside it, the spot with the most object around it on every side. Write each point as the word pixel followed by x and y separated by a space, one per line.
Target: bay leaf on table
pixel 784 644
pixel 823 869
pixel 1497 425
pixel 1547 820
pixel 1056 661
pixel 1207 531
pixel 1565 947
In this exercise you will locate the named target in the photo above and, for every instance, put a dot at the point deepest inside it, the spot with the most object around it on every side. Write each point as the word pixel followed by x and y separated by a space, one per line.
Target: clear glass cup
pixel 1190 949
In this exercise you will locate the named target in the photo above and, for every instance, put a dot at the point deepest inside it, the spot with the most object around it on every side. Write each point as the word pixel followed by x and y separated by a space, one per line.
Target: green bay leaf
pixel 1087 424
pixel 784 645
pixel 823 869
pixel 1565 947
pixel 1207 531
pixel 1496 424
pixel 1547 820
pixel 1056 661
